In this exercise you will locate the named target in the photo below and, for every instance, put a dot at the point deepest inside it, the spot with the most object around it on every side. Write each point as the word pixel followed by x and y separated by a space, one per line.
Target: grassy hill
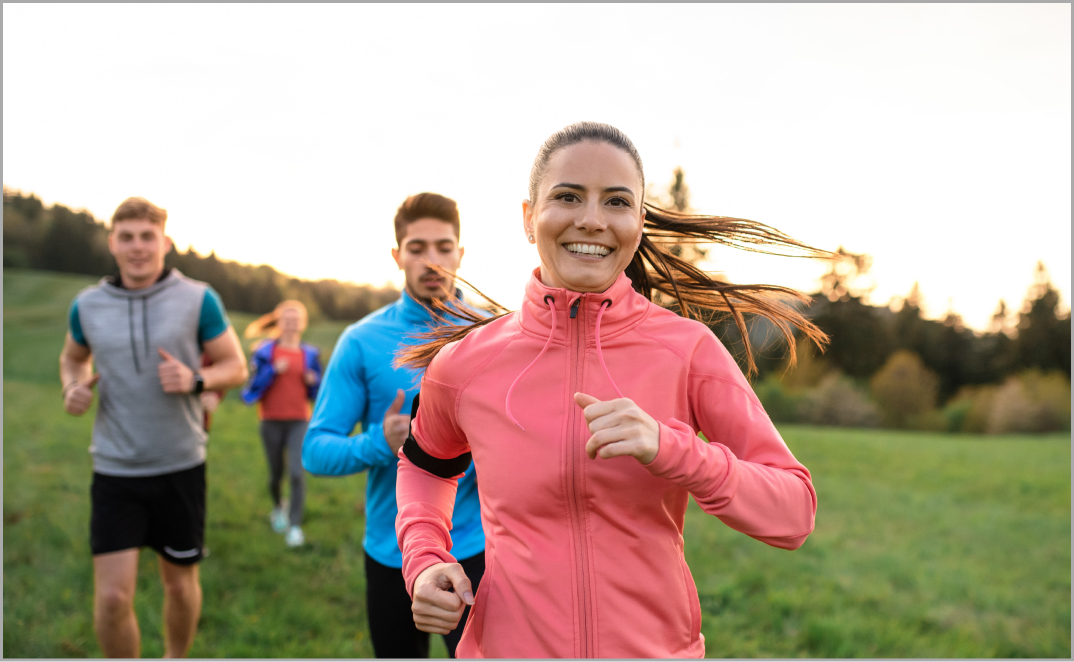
pixel 925 546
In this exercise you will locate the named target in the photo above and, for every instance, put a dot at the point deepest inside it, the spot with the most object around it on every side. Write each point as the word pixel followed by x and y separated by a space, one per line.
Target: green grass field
pixel 926 545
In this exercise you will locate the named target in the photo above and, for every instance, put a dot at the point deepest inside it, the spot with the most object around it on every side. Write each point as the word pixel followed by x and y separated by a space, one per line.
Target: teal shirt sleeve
pixel 329 449
pixel 213 320
pixel 75 324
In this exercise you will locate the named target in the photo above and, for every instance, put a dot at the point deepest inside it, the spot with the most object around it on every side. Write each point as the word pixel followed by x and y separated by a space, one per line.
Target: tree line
pixel 864 337
pixel 889 365
pixel 60 239
pixel 884 365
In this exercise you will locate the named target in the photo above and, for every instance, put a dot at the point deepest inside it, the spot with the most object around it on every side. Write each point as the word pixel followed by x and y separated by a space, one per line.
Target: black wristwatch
pixel 199 384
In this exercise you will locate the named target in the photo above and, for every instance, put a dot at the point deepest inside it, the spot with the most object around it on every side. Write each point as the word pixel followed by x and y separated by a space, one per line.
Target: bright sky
pixel 935 138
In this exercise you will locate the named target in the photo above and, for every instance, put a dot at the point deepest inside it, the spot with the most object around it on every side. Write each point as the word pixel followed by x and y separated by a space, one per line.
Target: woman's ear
pixel 527 220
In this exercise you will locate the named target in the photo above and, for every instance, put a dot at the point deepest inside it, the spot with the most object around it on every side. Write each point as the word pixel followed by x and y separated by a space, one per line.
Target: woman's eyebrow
pixel 579 187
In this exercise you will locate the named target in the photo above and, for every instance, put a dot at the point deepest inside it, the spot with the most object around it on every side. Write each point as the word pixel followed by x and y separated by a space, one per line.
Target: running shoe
pixel 295 537
pixel 279 519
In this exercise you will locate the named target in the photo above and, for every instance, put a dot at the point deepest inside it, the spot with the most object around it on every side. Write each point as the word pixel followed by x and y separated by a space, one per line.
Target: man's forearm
pixel 226 374
pixel 73 371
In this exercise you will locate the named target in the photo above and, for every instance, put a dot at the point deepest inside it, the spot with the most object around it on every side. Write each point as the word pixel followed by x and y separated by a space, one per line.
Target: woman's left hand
pixel 619 427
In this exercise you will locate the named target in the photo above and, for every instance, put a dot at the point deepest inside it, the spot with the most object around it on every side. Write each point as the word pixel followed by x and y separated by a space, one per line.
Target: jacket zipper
pixel 576 447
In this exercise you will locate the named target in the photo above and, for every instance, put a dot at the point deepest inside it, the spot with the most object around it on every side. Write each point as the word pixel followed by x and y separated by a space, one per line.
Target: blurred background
pixel 929 144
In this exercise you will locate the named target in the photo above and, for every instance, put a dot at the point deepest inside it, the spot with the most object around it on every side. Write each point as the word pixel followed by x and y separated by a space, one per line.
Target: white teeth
pixel 588 249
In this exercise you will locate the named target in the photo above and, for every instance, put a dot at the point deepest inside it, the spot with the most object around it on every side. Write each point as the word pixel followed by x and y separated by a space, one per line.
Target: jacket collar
pixel 626 309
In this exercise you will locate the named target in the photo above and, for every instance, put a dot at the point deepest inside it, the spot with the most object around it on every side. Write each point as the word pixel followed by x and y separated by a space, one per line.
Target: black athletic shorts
pixel 165 513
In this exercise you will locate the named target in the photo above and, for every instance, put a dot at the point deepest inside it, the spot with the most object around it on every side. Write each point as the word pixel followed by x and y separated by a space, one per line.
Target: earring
pixel 530 238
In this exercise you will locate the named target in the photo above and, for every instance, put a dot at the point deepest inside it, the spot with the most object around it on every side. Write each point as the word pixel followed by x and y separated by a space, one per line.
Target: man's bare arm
pixel 228 369
pixel 76 362
pixel 76 375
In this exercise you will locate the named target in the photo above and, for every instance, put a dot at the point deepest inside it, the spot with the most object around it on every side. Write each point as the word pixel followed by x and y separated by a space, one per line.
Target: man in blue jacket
pixel 361 386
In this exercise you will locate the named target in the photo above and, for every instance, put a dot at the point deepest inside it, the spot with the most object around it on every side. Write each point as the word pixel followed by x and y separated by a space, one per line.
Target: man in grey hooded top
pixel 145 330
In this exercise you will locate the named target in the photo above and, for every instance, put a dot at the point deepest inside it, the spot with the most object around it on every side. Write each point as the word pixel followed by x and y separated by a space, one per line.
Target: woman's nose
pixel 591 219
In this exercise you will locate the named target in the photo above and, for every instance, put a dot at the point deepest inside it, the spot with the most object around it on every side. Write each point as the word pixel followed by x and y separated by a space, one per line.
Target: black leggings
pixel 391 622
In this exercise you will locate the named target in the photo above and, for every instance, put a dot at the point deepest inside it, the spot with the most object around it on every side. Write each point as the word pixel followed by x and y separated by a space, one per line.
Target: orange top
pixel 285 399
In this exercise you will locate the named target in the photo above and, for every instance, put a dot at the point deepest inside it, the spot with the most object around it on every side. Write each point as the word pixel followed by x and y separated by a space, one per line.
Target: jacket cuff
pixel 377 450
pixel 421 563
pixel 686 460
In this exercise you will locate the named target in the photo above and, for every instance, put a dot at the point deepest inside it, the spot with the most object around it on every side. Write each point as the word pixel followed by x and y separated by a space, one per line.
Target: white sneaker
pixel 294 537
pixel 279 519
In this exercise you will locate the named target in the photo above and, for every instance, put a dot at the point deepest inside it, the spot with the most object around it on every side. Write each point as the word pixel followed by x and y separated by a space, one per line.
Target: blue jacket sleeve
pixel 313 363
pixel 328 449
pixel 262 375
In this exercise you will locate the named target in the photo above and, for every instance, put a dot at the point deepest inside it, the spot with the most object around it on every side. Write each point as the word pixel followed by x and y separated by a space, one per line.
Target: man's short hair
pixel 425 205
pixel 135 209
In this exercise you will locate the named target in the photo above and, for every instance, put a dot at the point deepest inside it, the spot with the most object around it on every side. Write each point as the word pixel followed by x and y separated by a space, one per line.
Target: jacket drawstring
pixel 604 305
pixel 552 334
pixel 600 354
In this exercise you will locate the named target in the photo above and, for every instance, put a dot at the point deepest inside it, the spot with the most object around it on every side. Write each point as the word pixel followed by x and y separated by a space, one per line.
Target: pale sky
pixel 935 138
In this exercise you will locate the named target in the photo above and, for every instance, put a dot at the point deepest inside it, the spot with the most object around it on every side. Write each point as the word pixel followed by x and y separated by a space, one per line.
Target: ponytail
pixel 657 272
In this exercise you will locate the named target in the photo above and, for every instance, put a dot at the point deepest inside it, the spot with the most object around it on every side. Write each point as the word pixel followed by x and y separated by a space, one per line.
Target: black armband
pixel 443 468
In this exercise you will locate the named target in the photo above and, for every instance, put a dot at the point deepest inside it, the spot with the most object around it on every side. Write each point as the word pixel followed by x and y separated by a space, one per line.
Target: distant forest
pixel 885 365
pixel 59 239
pixel 890 366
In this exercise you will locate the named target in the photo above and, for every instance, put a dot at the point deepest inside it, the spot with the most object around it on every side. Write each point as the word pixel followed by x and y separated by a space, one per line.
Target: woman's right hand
pixel 441 593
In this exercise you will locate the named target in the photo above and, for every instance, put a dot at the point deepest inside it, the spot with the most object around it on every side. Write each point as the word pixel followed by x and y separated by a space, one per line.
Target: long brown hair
pixel 656 272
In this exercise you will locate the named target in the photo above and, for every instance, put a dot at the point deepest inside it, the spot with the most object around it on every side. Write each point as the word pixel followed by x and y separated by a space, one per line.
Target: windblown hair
pixel 269 324
pixel 656 272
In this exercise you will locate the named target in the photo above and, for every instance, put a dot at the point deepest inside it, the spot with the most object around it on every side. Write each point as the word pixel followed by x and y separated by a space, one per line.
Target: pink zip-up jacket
pixel 584 558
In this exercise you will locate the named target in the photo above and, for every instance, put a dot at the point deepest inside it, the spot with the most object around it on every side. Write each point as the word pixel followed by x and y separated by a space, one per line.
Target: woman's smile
pixel 587 251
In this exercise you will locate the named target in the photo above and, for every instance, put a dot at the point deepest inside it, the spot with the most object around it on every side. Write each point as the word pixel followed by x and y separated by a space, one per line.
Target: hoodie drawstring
pixel 145 324
pixel 600 354
pixel 145 330
pixel 552 334
pixel 130 325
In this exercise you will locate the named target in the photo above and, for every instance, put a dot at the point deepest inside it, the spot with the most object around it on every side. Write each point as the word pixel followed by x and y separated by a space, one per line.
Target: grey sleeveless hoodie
pixel 140 430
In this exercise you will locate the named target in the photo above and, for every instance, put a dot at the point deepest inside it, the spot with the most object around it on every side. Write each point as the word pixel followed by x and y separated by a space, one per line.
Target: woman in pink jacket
pixel 581 412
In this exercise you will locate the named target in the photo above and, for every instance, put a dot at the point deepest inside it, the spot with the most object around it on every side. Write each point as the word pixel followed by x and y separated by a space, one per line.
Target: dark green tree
pixel 1043 333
